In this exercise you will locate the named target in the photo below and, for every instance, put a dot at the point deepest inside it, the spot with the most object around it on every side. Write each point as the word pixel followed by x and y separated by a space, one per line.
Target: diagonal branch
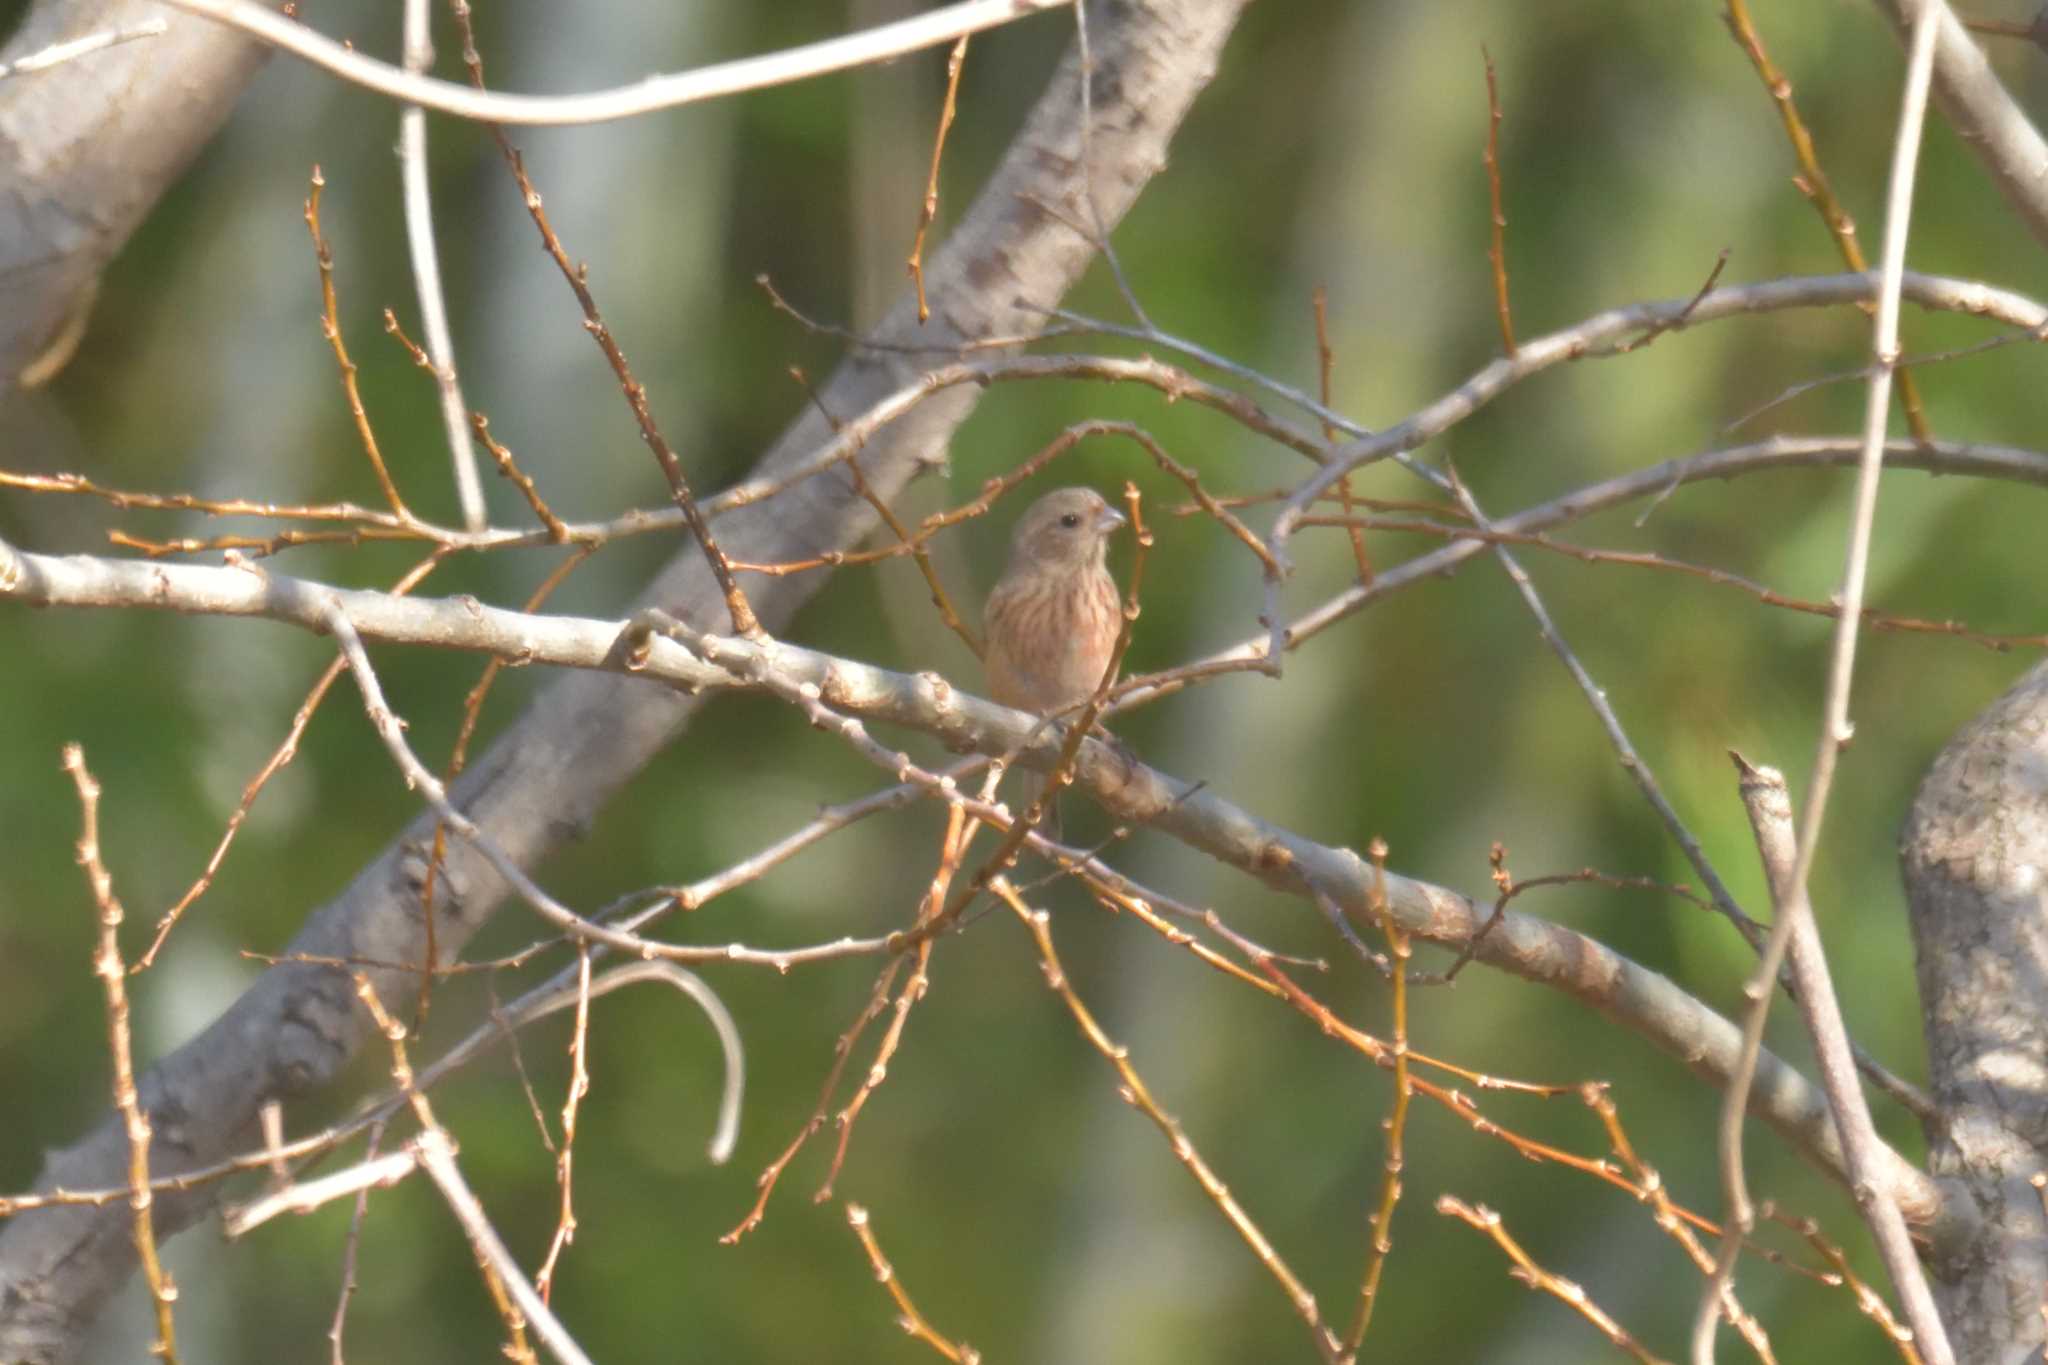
pixel 1004 266
pixel 1641 1000
pixel 1991 122
pixel 83 160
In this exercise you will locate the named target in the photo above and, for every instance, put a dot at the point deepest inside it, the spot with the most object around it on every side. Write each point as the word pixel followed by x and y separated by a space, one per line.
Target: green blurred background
pixel 1027 1208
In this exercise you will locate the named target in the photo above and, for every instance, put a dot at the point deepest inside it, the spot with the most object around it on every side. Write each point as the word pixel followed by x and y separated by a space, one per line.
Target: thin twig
pixel 877 44
pixel 1674 1222
pixel 472 708
pixel 1873 619
pixel 106 965
pixel 1326 363
pixel 928 210
pixel 572 1100
pixel 558 530
pixel 1813 182
pixel 1867 1299
pixel 1396 1126
pixel 417 197
pixel 912 1321
pixel 437 1158
pixel 1636 343
pixel 1134 1092
pixel 280 757
pixel 330 327
pixel 1793 899
pixel 1095 231
pixel 1496 250
pixel 349 1249
pixel 434 1150
pixel 1567 1292
pixel 960 831
pixel 771 1175
pixel 578 278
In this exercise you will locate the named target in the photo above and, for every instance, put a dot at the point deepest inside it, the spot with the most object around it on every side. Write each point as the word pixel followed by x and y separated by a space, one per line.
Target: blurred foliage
pixel 1026 1208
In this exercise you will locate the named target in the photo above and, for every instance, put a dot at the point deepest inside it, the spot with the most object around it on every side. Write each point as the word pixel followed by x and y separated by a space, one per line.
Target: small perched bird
pixel 1052 619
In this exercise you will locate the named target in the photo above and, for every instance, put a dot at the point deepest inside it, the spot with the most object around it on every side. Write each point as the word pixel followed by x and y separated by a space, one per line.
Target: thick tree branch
pixel 1971 855
pixel 87 148
pixel 1642 1000
pixel 1991 123
pixel 542 784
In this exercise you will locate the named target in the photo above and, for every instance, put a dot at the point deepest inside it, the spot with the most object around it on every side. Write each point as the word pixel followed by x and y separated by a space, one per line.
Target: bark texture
pixel 1975 860
pixel 88 147
pixel 1983 111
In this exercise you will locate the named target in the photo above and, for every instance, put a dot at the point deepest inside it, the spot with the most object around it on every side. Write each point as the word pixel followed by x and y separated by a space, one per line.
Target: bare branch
pixel 82 161
pixel 296 1028
pixel 1792 897
pixel 1990 122
pixel 627 101
pixel 426 272
pixel 1527 947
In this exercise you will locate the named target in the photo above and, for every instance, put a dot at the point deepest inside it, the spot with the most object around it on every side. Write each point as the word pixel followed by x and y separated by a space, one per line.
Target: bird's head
pixel 1067 529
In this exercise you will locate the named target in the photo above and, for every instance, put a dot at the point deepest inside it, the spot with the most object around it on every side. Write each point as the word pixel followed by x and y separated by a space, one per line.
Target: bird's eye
pixel 1071 520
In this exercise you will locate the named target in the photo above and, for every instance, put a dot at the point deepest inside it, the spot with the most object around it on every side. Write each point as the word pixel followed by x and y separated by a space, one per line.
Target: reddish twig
pixel 960 832
pixel 349 1249
pixel 1571 1294
pixel 929 209
pixel 106 965
pixel 1869 1300
pixel 502 1281
pixel 578 277
pixel 1326 362
pixel 1396 1125
pixel 1671 1221
pixel 1135 1093
pixel 1812 182
pixel 878 1000
pixel 1496 251
pixel 915 544
pixel 1508 889
pixel 285 752
pixel 910 1320
pixel 557 530
pixel 565 1156
pixel 330 327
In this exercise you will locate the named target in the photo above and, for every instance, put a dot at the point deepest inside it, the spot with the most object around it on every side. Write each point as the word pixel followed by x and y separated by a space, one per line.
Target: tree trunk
pixel 1974 854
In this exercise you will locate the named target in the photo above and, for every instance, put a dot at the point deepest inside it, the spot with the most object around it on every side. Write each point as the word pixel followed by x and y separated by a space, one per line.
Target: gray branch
pixel 1972 855
pixel 544 782
pixel 87 148
pixel 1991 123
pixel 1639 999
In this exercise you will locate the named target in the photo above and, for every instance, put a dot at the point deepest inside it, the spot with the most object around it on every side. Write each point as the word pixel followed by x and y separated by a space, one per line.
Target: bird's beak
pixel 1109 519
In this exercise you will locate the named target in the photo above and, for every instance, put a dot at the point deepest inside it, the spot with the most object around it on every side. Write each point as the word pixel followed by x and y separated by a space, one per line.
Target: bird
pixel 1052 619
